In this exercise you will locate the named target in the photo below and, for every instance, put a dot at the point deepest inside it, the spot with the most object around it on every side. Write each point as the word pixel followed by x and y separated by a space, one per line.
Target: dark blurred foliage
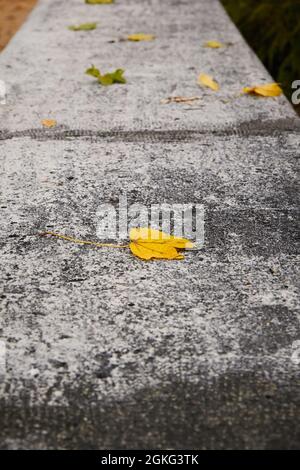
pixel 272 28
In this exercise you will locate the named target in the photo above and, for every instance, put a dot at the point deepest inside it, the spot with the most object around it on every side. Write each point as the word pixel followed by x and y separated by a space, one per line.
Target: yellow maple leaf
pixel 208 81
pixel 140 37
pixel 267 89
pixel 147 243
pixel 49 123
pixel 214 44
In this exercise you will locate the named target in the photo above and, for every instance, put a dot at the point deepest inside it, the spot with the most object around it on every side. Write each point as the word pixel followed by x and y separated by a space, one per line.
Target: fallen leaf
pixel 114 77
pixel 108 78
pixel 140 37
pixel 49 123
pixel 99 2
pixel 147 243
pixel 180 99
pixel 84 27
pixel 214 44
pixel 208 81
pixel 267 89
pixel 93 71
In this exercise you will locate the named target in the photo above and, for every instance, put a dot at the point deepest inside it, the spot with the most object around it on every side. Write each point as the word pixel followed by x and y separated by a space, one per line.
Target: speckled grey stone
pixel 45 63
pixel 105 350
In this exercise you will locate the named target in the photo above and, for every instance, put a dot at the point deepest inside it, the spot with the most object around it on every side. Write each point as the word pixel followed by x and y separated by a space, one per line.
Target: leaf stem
pixel 82 242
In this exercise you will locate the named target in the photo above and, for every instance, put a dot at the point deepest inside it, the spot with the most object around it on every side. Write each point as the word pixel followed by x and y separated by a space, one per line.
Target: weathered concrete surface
pixel 45 63
pixel 106 351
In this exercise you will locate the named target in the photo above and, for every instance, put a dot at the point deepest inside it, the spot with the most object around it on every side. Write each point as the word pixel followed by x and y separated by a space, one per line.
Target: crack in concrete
pixel 245 129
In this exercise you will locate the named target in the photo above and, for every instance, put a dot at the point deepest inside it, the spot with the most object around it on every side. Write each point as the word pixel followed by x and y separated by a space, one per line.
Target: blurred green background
pixel 272 28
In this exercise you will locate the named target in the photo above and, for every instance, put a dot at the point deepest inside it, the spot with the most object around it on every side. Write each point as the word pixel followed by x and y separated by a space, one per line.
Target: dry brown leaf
pixel 180 99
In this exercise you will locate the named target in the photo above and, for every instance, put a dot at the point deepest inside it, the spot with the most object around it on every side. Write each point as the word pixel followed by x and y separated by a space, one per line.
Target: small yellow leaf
pixel 140 37
pixel 214 44
pixel 180 99
pixel 49 123
pixel 208 81
pixel 146 243
pixel 83 27
pixel 268 89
